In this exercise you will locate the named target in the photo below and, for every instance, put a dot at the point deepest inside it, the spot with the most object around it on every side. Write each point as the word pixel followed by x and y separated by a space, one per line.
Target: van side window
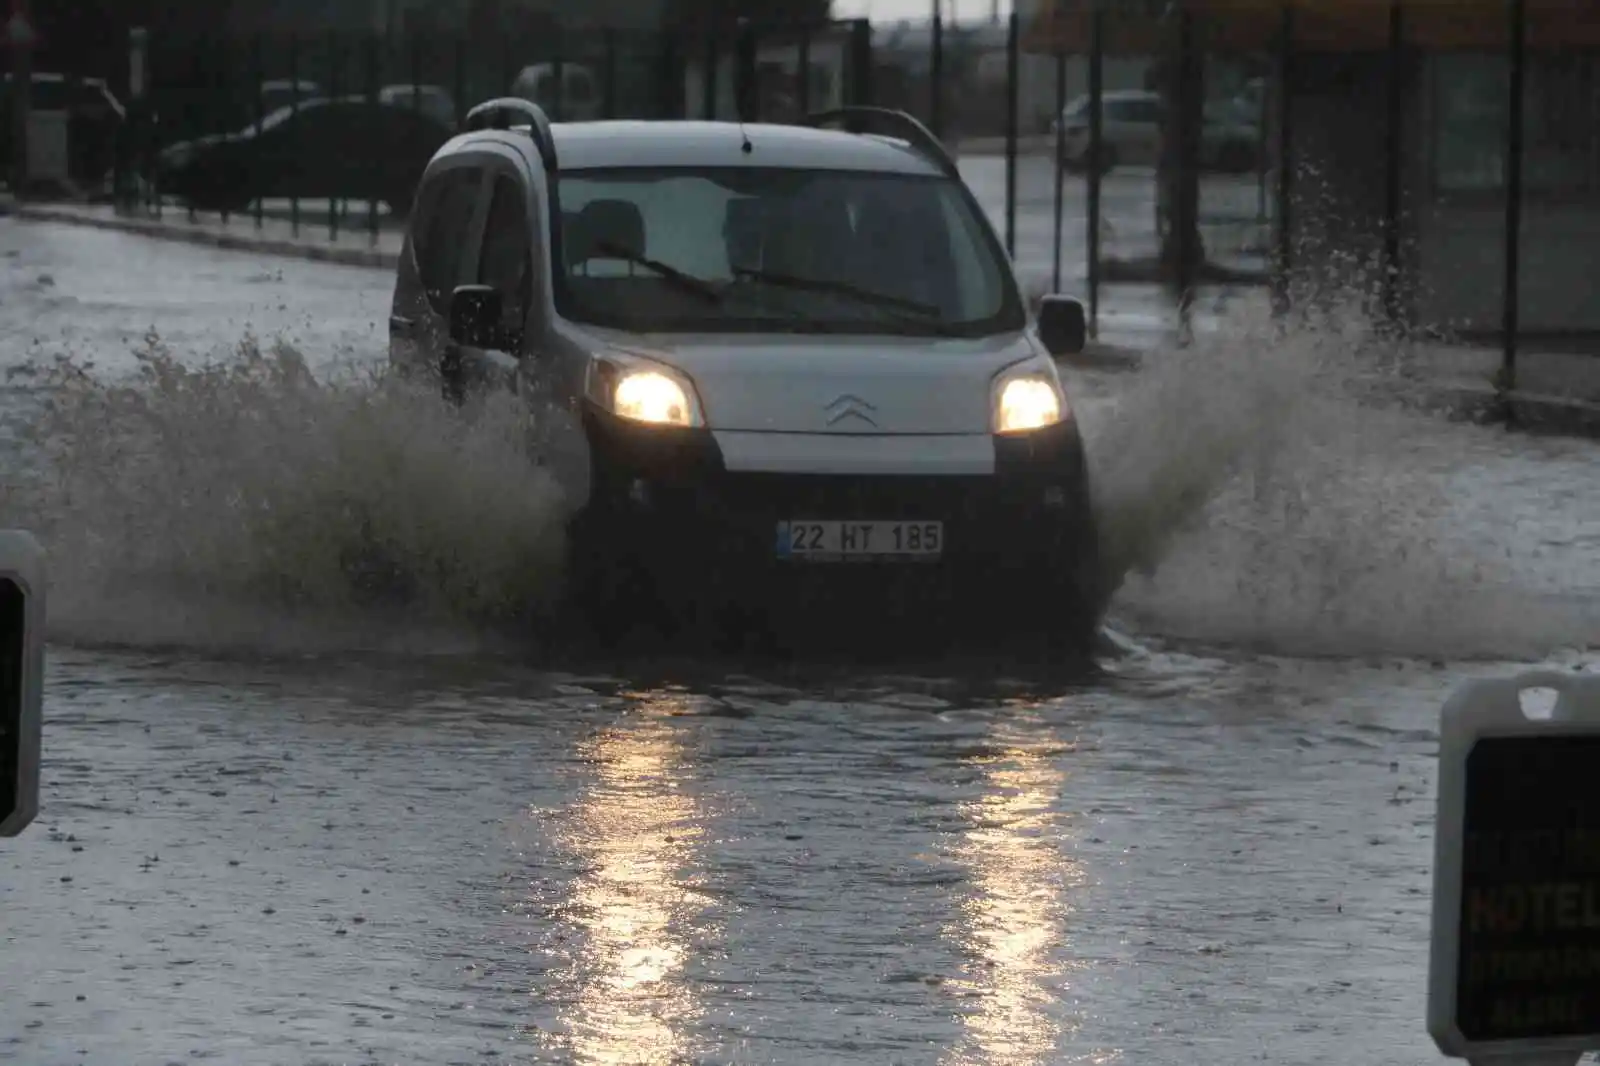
pixel 506 262
pixel 441 236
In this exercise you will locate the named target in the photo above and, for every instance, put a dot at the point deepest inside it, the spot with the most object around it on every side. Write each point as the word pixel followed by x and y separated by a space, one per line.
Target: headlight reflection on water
pixel 637 832
pixel 1013 925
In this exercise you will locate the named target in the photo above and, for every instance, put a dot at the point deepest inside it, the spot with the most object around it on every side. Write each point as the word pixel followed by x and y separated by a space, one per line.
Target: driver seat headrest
pixel 606 222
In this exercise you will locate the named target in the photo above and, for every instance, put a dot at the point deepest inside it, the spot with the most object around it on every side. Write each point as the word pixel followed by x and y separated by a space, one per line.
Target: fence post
pixel 745 100
pixel 197 81
pixel 1013 80
pixel 861 60
pixel 1285 189
pixel 373 77
pixel 414 74
pixel 558 74
pixel 220 99
pixel 258 106
pixel 1097 92
pixel 672 76
pixel 804 63
pixel 140 154
pixel 936 74
pixel 334 56
pixel 609 102
pixel 508 66
pixel 1511 296
pixel 1393 167
pixel 708 77
pixel 1188 85
pixel 21 44
pixel 1059 169
pixel 458 78
pixel 294 110
pixel 152 143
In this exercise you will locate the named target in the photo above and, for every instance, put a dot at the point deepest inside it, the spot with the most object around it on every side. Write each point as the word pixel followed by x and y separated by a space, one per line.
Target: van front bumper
pixel 667 501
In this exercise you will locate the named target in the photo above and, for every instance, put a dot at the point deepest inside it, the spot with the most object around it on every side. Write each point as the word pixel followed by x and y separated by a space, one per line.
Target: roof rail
pixel 515 113
pixel 886 122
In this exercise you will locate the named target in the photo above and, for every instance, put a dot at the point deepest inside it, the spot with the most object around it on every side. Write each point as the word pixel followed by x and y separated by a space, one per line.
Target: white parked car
pixel 574 97
pixel 1130 125
pixel 760 354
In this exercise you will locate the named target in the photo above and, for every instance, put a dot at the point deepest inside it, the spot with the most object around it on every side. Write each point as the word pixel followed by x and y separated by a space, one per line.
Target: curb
pixel 1529 412
pixel 208 238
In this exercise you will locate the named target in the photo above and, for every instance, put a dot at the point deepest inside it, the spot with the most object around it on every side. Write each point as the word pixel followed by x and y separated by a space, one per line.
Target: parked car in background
pixel 94 119
pixel 578 99
pixel 280 93
pixel 430 100
pixel 186 112
pixel 322 149
pixel 1131 130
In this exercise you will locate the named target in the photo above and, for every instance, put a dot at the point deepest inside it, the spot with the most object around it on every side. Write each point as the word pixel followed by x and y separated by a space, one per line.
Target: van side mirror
pixel 1063 326
pixel 21 678
pixel 475 312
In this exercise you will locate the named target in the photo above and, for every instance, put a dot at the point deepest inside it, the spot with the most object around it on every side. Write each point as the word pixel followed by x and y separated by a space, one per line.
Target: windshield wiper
pixel 687 282
pixel 838 288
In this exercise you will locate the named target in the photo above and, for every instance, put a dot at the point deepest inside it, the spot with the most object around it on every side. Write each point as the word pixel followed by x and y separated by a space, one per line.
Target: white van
pixel 768 359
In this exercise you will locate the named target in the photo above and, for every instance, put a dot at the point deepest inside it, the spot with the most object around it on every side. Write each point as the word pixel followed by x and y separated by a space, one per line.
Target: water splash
pixel 1270 487
pixel 248 502
pixel 1258 488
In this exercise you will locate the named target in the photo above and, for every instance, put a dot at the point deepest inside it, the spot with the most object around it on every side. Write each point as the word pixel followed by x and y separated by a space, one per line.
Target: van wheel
pixel 607 588
pixel 1075 591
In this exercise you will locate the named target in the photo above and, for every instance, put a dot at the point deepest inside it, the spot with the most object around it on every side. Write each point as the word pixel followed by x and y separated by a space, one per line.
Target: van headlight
pixel 1027 401
pixel 644 392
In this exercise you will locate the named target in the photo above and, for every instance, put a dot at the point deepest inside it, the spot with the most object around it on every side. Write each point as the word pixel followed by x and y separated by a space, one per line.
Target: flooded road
pixel 1189 860
pixel 1215 850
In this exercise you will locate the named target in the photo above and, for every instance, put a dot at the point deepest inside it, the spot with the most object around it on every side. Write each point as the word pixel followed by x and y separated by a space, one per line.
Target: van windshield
pixel 757 249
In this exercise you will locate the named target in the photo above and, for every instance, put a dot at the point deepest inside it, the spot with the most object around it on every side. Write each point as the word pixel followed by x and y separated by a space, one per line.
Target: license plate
pixel 859 540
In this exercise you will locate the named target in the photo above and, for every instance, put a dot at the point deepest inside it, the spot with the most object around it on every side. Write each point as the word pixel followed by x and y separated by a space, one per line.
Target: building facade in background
pixel 1453 64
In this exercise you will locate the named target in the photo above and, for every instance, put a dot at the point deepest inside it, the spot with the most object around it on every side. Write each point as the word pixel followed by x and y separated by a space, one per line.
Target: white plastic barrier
pixel 22 614
pixel 1515 967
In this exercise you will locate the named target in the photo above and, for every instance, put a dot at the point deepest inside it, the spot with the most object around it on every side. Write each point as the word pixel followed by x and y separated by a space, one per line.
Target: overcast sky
pixel 889 10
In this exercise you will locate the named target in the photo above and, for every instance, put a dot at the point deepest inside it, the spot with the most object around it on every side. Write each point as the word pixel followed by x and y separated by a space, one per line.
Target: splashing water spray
pixel 1250 489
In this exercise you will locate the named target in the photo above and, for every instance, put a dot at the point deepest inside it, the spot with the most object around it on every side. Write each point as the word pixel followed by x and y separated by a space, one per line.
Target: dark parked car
pixel 324 149
pixel 95 120
pixel 209 113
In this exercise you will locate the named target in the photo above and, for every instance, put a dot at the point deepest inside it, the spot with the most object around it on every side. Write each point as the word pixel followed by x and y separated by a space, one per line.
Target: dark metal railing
pixel 996 94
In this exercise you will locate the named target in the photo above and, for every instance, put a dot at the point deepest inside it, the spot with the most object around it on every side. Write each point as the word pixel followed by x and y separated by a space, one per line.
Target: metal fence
pixel 1156 145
